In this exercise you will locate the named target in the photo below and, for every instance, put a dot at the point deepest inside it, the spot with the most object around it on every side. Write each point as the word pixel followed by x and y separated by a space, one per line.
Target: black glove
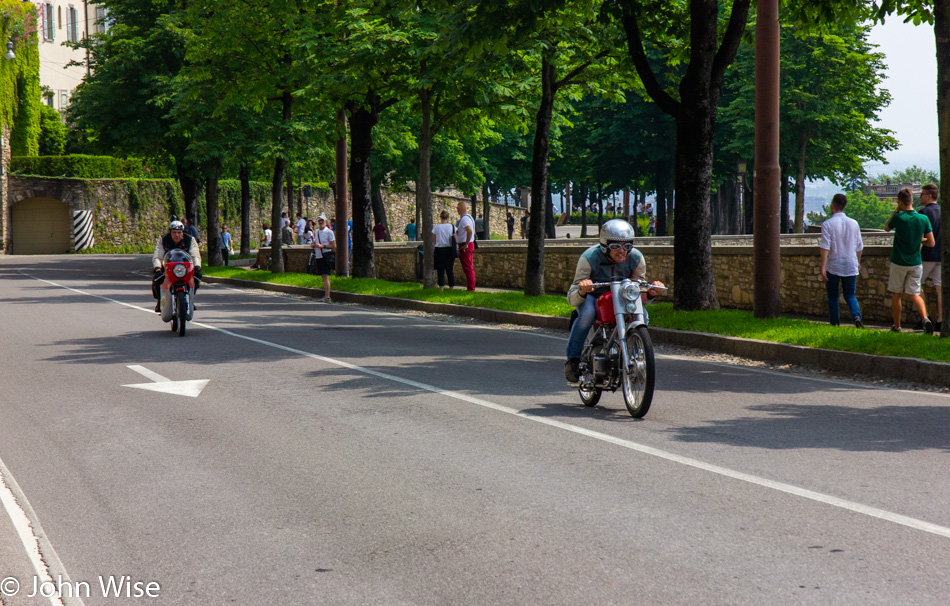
pixel 198 272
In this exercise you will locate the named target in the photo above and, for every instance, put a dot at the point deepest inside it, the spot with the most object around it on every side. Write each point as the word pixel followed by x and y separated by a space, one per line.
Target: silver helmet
pixel 615 230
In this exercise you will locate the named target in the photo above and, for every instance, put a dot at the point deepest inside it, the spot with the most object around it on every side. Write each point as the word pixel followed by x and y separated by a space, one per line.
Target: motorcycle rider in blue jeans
pixel 615 256
pixel 175 238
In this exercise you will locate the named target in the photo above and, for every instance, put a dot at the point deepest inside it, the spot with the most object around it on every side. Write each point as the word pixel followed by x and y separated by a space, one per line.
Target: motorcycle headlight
pixel 631 291
pixel 179 270
pixel 631 307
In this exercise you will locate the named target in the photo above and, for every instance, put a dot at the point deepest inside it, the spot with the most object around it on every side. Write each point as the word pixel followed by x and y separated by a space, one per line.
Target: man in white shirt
pixel 301 228
pixel 841 248
pixel 465 238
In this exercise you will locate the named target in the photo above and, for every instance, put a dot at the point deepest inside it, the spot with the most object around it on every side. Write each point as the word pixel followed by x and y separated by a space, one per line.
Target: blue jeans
pixel 586 314
pixel 847 285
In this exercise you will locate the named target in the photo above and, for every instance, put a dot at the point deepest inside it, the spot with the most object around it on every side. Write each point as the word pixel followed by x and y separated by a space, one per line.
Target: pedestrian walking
pixel 841 247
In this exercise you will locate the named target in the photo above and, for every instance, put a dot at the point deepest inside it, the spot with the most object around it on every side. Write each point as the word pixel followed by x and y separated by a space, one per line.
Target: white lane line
pixel 35 542
pixel 804 493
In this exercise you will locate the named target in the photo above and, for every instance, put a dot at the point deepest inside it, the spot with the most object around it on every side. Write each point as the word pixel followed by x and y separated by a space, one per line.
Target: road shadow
pixel 822 426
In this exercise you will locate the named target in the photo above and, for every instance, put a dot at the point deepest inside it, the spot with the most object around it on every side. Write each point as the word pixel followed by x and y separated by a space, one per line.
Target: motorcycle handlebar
pixel 642 283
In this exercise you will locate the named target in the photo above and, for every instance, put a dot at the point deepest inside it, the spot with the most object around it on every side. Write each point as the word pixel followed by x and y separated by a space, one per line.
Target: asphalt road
pixel 342 455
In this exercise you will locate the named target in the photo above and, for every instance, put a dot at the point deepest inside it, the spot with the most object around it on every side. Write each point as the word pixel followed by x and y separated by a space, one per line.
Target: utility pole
pixel 766 195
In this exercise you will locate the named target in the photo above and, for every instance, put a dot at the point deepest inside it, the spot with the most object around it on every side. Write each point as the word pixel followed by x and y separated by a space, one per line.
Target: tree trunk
pixel 600 206
pixel 800 184
pixel 582 198
pixel 783 212
pixel 549 227
pixel 361 145
pixel 215 259
pixel 695 286
pixel 189 191
pixel 379 211
pixel 424 191
pixel 245 177
pixel 942 35
pixel 662 197
pixel 486 212
pixel 290 200
pixel 276 195
pixel 534 265
pixel 341 208
pixel 280 169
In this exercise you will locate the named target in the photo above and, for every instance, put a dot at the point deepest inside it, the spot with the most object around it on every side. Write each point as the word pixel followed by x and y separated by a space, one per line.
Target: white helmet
pixel 176 225
pixel 616 230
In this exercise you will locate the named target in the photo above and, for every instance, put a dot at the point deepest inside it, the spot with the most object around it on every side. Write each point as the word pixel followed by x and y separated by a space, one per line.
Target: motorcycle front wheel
pixel 639 373
pixel 181 311
pixel 589 397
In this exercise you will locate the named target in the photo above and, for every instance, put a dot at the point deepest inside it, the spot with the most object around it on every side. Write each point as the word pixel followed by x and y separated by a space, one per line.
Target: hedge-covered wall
pixel 20 100
pixel 81 166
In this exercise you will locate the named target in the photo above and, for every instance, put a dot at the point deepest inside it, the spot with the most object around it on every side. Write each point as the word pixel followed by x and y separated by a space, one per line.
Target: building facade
pixel 62 68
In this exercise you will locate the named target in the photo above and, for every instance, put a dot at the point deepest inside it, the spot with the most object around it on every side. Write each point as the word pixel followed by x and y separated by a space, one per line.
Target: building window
pixel 59 17
pixel 72 24
pixel 50 100
pixel 63 99
pixel 102 20
pixel 49 32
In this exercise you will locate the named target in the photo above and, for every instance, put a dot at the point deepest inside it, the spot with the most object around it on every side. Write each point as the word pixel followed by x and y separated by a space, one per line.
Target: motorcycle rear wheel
pixel 639 375
pixel 181 309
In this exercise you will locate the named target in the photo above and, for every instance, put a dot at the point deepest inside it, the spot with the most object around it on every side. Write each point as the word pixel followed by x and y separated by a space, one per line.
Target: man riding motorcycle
pixel 614 257
pixel 175 238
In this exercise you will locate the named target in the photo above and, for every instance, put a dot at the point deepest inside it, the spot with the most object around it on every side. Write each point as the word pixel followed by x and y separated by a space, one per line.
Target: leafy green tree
pixel 133 67
pixel 831 96
pixel 705 39
pixel 868 210
pixel 52 132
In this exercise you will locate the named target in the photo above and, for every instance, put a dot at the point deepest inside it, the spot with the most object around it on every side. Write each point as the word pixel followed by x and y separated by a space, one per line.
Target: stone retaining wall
pixel 501 265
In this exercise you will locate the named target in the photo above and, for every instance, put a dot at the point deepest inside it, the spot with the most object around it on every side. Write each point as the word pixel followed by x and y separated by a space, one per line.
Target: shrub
pixel 80 166
pixel 52 132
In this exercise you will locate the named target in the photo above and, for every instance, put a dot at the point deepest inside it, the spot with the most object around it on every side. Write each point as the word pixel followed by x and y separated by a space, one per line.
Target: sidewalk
pixel 875 367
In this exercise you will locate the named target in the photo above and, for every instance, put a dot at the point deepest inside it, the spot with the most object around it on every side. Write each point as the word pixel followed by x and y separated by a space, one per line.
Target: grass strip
pixel 548 305
pixel 729 322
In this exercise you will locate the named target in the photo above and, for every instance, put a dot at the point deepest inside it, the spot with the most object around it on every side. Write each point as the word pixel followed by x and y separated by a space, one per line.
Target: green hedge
pixel 86 167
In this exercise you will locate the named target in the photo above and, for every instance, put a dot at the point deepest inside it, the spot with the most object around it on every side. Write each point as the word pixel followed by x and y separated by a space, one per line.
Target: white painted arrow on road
pixel 161 384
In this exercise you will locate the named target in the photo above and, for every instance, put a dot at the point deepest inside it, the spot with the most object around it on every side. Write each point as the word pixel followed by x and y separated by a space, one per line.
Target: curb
pixel 876 367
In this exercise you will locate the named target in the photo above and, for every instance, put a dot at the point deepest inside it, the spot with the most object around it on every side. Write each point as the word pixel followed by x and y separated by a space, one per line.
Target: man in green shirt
pixel 910 229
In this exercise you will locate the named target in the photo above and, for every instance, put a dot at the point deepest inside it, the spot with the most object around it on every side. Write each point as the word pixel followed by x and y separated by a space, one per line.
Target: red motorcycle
pixel 619 351
pixel 178 290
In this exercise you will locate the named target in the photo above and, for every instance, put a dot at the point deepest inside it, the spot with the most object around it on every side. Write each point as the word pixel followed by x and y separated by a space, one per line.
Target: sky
pixel 910 56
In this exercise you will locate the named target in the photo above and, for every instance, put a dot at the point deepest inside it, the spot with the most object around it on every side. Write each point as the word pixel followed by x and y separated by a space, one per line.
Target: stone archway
pixel 40 226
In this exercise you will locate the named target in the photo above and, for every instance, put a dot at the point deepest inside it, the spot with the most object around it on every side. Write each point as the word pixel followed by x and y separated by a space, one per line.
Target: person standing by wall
pixel 444 255
pixel 301 227
pixel 930 255
pixel 226 248
pixel 910 229
pixel 841 247
pixel 511 225
pixel 324 249
pixel 410 230
pixel 465 237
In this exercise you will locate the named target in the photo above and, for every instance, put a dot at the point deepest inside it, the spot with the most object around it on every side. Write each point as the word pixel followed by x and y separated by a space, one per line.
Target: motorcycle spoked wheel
pixel 638 377
pixel 181 311
pixel 591 396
